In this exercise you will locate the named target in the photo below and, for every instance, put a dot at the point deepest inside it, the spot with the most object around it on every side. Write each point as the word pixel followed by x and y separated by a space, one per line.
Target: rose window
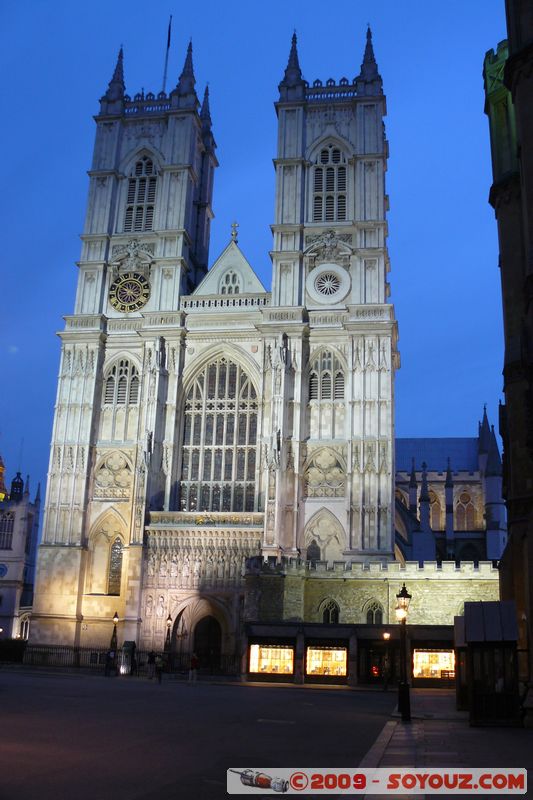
pixel 328 284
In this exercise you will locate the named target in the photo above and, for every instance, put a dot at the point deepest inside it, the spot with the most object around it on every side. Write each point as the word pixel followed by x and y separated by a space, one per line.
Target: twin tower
pixel 201 419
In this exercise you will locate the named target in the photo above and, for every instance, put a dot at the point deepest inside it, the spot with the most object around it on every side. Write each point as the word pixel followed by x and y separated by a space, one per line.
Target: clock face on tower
pixel 129 292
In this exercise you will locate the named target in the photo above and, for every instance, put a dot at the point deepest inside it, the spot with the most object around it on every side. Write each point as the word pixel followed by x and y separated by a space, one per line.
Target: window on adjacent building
pixel 330 612
pixel 7 521
pixel 121 384
pixel 230 283
pixel 326 378
pixel 220 440
pixel 329 186
pixel 465 514
pixel 435 512
pixel 115 568
pixel 140 201
pixel 374 613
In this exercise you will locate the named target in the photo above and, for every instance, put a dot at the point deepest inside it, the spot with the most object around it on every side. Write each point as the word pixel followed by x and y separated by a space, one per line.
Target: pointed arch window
pixel 435 512
pixel 374 613
pixel 140 201
pixel 330 613
pixel 121 384
pixel 465 513
pixel 7 521
pixel 115 568
pixel 329 181
pixel 220 440
pixel 326 377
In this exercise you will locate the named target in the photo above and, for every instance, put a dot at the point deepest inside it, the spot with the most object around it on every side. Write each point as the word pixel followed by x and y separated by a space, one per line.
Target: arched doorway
pixel 207 643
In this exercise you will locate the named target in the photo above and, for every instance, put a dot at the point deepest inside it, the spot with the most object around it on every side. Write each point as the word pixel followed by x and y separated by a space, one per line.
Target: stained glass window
pixel 219 441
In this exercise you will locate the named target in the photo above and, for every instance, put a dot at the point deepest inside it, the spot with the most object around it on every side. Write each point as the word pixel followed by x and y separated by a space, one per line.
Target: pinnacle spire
pixel 293 85
pixel 369 80
pixel 484 433
pixel 185 91
pixel 449 477
pixel 205 112
pixel 116 87
pixel 424 490
pixel 412 477
pixel 188 69
pixel 494 463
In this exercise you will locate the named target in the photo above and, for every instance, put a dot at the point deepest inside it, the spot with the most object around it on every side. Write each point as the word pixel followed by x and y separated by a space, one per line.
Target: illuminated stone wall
pixel 294 592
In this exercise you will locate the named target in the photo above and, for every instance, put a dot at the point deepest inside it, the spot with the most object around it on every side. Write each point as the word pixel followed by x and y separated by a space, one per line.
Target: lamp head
pixel 169 622
pixel 386 636
pixel 115 617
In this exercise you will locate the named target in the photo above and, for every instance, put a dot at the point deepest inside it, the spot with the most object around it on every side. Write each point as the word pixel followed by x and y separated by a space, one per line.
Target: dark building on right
pixel 508 76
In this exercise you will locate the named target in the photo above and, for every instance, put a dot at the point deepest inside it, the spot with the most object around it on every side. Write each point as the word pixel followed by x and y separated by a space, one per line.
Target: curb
pixel 373 758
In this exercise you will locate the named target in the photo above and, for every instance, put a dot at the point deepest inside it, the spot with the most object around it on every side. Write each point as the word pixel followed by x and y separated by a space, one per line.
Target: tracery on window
pixel 140 200
pixel 374 613
pixel 115 568
pixel 435 511
pixel 329 186
pixel 230 283
pixel 7 521
pixel 220 440
pixel 325 475
pixel 326 377
pixel 122 384
pixel 465 513
pixel 330 612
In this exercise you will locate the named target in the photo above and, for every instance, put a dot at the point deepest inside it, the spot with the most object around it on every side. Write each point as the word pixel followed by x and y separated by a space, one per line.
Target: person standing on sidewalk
pixel 151 664
pixel 193 670
pixel 158 667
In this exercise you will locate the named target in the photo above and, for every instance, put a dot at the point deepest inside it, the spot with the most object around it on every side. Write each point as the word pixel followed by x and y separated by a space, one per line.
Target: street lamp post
pixel 113 644
pixel 386 662
pixel 167 640
pixel 402 606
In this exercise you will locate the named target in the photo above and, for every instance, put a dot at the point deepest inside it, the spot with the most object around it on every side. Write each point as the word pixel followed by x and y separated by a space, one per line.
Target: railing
pixel 96 659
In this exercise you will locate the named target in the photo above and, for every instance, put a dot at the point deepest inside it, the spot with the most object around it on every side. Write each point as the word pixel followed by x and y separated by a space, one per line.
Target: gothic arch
pixel 109 527
pixel 110 362
pixel 133 156
pixel 325 473
pixel 188 612
pixel 231 353
pixel 326 139
pixel 327 531
pixel 373 612
pixel 324 349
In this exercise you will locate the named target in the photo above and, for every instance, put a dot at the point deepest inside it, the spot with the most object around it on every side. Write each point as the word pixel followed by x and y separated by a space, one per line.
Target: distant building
pixel 204 422
pixel 450 498
pixel 19 526
pixel 508 75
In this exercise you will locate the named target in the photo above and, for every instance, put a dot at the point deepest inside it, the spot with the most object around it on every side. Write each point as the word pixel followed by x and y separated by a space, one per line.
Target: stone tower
pixel 330 337
pixel 145 242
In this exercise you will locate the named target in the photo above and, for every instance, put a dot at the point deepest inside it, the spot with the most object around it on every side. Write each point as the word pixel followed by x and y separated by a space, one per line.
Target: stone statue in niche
pixel 163 567
pixel 160 606
pixel 174 566
pixel 151 565
pixel 149 605
pixel 185 572
pixel 197 569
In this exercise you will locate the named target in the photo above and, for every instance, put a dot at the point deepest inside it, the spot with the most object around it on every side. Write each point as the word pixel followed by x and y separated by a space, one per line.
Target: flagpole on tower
pixel 166 55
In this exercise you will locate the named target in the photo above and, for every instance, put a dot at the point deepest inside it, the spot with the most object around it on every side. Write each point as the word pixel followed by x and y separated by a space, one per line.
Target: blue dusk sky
pixel 57 57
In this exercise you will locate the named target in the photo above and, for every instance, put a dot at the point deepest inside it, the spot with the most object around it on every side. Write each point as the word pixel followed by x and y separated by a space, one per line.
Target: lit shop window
pixel 438 664
pixel 277 660
pixel 326 661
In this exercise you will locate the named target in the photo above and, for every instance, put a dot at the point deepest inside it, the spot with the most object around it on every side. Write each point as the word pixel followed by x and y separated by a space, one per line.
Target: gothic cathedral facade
pixel 202 421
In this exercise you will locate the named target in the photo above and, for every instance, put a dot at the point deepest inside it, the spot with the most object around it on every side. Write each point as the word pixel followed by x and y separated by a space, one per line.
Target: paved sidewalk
pixel 440 736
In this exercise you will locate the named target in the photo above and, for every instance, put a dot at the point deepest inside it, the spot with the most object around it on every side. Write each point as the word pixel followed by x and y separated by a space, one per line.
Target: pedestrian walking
pixel 193 669
pixel 158 668
pixel 151 664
